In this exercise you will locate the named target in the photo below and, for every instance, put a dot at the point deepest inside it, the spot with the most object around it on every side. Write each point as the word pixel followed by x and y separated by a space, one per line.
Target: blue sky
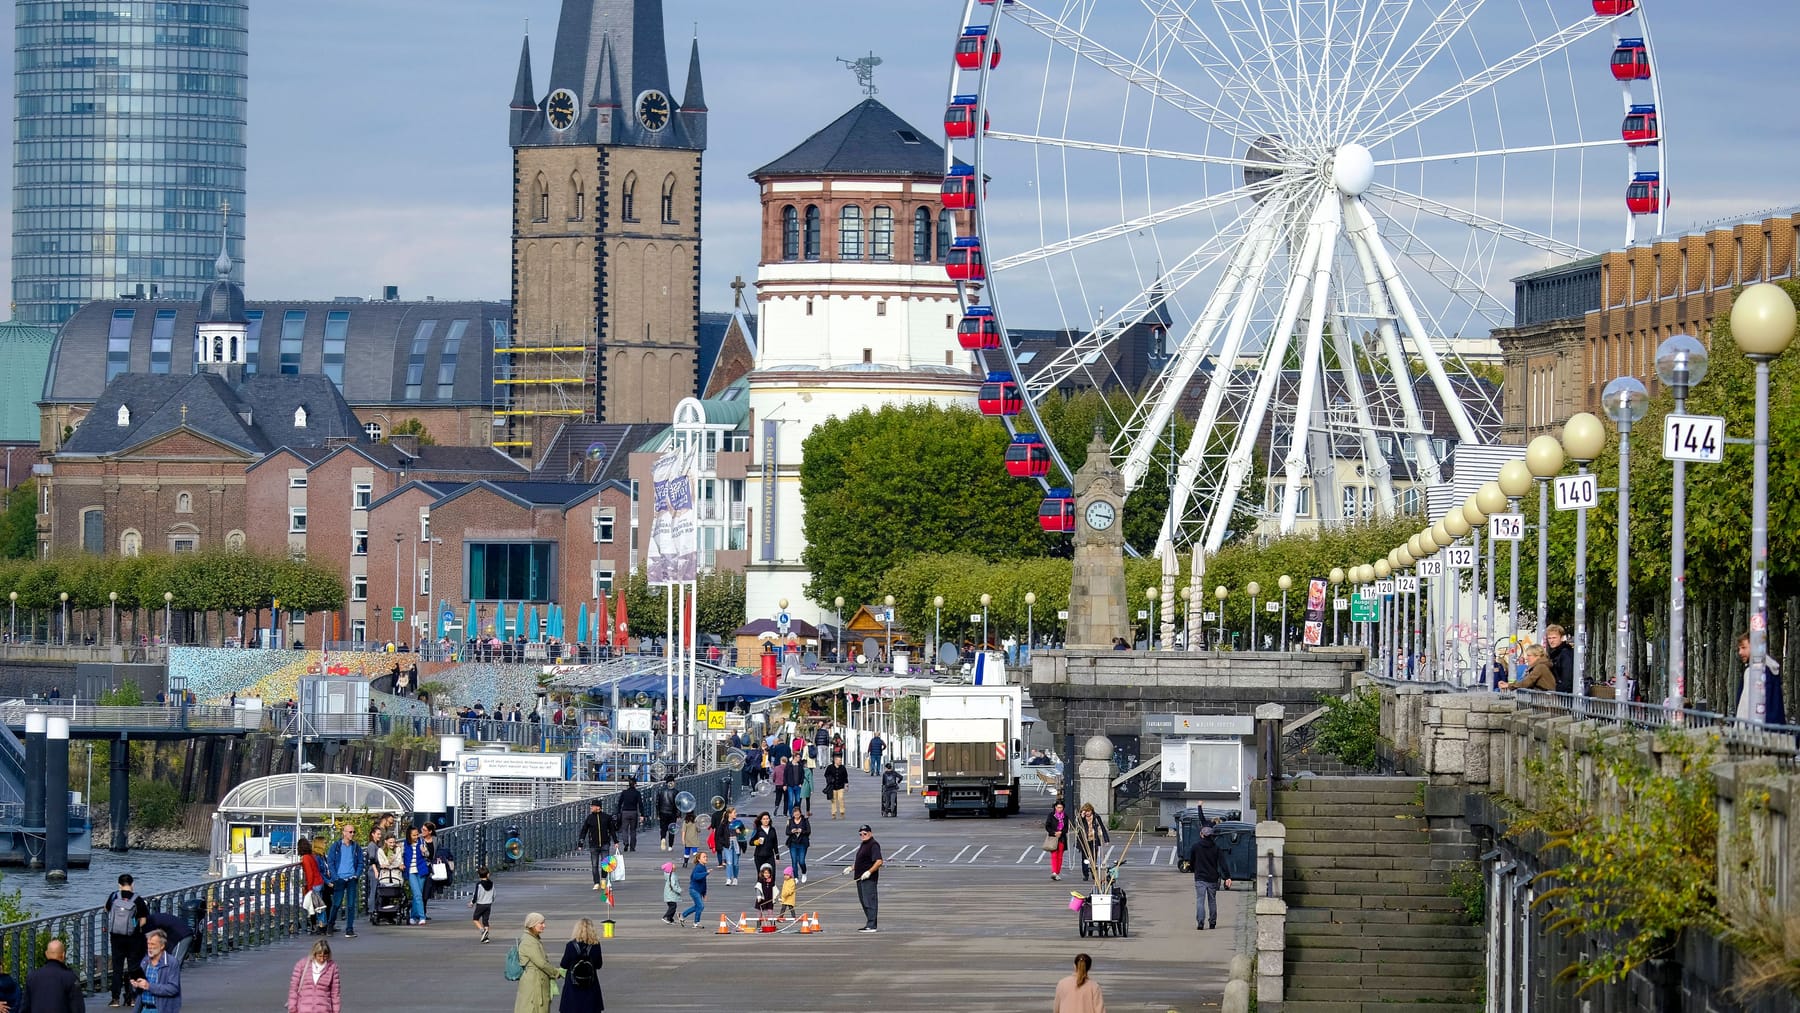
pixel 378 147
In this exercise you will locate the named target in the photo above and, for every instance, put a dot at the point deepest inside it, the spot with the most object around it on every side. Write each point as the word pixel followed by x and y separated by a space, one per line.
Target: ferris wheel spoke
pixel 1132 72
pixel 1350 374
pixel 1251 43
pixel 1310 362
pixel 1404 415
pixel 1127 149
pixel 1178 21
pixel 1605 142
pixel 1392 82
pixel 1377 32
pixel 1126 228
pixel 1484 79
pixel 1463 216
pixel 1466 289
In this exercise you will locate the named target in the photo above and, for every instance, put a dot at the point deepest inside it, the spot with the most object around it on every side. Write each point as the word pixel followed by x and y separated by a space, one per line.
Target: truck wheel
pixel 1012 803
pixel 936 814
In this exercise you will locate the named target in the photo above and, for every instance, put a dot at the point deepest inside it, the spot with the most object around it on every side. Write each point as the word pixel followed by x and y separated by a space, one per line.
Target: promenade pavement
pixel 970 921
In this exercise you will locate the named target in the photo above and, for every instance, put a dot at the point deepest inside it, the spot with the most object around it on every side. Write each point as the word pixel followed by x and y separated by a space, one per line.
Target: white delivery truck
pixel 973 735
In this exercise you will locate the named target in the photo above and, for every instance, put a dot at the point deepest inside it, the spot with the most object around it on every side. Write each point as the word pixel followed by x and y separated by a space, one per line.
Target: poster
pixel 1314 630
pixel 674 532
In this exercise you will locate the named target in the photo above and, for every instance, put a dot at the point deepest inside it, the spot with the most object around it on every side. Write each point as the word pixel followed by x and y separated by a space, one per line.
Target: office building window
pixel 252 340
pixel 293 329
pixel 118 344
pixel 509 571
pixel 359 542
pixel 162 341
pixel 850 233
pixel 881 233
pixel 360 496
pixel 337 333
pixel 359 587
pixel 447 356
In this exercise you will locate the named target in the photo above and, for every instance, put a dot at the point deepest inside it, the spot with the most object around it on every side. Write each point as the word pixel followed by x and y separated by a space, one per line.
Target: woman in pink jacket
pixel 314 987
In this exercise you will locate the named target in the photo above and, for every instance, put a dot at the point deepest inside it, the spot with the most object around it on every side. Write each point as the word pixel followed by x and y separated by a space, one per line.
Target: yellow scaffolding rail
pixel 523 350
pixel 549 379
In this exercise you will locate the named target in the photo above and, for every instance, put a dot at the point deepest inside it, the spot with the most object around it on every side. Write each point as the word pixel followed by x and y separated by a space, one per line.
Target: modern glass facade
pixel 130 128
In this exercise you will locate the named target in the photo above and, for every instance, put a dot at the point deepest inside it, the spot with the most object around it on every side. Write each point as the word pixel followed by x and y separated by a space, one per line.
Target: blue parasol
pixel 531 623
pixel 581 624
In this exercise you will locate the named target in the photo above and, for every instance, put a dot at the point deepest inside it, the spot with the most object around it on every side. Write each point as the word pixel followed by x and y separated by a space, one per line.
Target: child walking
pixel 697 890
pixel 671 892
pixel 483 903
pixel 690 839
pixel 790 892
pixel 765 895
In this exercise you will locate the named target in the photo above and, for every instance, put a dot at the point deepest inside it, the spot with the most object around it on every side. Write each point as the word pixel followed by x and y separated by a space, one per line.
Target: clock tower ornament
pixel 1097 594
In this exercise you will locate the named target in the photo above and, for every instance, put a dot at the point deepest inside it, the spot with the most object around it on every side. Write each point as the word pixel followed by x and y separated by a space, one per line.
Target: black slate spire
pixel 524 101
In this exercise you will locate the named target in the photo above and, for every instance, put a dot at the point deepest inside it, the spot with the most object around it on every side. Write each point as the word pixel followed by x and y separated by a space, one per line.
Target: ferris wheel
pixel 1305 211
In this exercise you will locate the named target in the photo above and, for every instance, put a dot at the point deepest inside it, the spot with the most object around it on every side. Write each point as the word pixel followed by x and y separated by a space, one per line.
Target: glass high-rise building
pixel 129 144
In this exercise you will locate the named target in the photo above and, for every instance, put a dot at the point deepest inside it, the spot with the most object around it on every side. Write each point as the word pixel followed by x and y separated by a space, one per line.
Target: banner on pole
pixel 674 532
pixel 1313 633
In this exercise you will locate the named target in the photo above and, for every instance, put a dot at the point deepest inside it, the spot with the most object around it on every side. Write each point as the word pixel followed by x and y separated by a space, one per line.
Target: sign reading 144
pixel 1694 438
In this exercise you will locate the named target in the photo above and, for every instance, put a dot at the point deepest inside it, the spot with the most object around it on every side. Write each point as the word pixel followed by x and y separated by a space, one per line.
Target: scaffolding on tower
pixel 541 379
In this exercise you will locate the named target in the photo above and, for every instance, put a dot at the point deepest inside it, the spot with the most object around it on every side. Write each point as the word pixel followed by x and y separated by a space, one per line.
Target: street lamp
pixel 65 623
pixel 887 614
pixel 1544 458
pixel 1255 589
pixel 1515 482
pixel 398 538
pixel 937 628
pixel 1584 436
pixel 1030 600
pixel 12 598
pixel 168 618
pixel 1337 577
pixel 1285 583
pixel 1187 617
pixel 1150 595
pixel 112 597
pixel 1381 570
pixel 1491 500
pixel 1762 324
pixel 986 600
pixel 1626 402
pixel 1681 363
pixel 1220 593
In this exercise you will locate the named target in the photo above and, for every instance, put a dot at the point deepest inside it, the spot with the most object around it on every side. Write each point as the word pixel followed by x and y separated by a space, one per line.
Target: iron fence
pixel 172 717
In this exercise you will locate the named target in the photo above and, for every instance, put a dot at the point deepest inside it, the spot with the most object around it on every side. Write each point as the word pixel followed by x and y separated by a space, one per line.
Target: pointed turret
pixel 693 102
pixel 606 104
pixel 524 101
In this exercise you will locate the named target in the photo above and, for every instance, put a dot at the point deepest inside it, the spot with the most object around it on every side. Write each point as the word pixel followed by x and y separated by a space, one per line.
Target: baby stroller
pixel 389 906
pixel 890 792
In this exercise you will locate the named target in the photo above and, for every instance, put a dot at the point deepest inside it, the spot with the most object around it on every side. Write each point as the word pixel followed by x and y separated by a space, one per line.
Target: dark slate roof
pixel 222 302
pixel 869 140
pixel 254 418
pixel 473 460
pixel 379 339
pixel 559 495
pixel 569 453
pixel 713 327
pixel 436 490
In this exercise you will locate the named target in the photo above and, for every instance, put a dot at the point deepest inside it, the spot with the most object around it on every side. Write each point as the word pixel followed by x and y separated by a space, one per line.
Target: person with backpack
pixel 890 791
pixel 581 960
pixel 482 904
pixel 666 813
pixel 527 965
pixel 125 914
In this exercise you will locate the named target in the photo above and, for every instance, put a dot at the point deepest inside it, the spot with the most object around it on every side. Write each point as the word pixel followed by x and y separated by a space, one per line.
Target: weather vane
pixel 864 69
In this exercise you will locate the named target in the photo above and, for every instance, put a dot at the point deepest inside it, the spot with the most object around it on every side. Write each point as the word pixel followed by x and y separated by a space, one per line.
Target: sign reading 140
pixel 1577 492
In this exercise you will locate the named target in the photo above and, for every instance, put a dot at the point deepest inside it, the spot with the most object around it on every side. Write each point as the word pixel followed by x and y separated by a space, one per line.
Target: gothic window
pixel 922 236
pixel 540 201
pixel 790 233
pixel 124 416
pixel 946 236
pixel 668 201
pixel 93 530
pixel 578 207
pixel 184 503
pixel 850 234
pixel 628 199
pixel 881 233
pixel 812 232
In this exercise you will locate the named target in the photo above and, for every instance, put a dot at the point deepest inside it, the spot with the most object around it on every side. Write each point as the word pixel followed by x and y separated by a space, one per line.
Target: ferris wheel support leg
pixel 1390 341
pixel 1325 227
pixel 1377 464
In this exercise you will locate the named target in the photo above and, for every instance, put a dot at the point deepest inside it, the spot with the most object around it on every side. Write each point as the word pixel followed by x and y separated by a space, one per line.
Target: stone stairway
pixel 1371 922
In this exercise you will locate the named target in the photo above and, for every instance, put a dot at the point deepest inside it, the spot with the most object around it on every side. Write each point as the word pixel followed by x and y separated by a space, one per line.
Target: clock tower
pixel 606 229
pixel 1097 595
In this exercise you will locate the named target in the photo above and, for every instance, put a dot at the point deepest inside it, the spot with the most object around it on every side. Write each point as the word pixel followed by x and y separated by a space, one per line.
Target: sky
pixel 378 151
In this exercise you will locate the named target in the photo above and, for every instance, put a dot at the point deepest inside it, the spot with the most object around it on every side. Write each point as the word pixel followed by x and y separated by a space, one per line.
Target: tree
pixel 412 427
pixel 18 522
pixel 884 485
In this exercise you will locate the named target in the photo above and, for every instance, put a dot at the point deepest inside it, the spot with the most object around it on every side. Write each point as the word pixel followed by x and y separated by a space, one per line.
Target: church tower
pixel 606 228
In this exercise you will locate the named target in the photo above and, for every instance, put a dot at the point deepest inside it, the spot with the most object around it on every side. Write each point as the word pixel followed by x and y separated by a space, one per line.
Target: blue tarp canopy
pixel 735 687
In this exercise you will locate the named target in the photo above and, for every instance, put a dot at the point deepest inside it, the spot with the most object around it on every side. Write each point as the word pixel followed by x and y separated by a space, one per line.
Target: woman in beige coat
pixel 1079 993
pixel 534 989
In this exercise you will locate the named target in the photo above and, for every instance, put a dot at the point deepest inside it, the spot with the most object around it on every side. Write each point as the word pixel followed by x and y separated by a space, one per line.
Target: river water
pixel 151 871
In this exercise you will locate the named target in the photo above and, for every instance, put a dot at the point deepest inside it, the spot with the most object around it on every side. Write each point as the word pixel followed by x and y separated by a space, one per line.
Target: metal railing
pixel 172 717
pixel 262 908
pixel 127 653
pixel 1739 735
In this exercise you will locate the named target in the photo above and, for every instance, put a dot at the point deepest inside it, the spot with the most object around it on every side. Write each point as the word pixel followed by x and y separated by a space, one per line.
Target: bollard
pixel 120 802
pixel 35 724
pixel 56 800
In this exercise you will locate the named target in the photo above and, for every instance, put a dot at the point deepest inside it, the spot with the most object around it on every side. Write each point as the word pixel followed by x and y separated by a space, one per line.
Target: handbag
pixel 440 871
pixel 618 873
pixel 1050 842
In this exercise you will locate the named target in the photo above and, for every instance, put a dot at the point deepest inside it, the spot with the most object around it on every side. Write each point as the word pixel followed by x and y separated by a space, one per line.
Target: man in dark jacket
pixel 666 814
pixel 176 929
pixel 837 778
pixel 1562 658
pixel 53 988
pixel 631 813
pixel 124 914
pixel 597 836
pixel 1208 864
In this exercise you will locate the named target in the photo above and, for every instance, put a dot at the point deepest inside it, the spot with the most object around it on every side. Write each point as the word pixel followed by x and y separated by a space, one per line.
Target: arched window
pixel 93 530
pixel 218 348
pixel 668 200
pixel 300 418
pixel 812 232
pixel 790 233
pixel 628 199
pixel 184 503
pixel 578 194
pixel 881 233
pixel 922 236
pixel 372 430
pixel 540 200
pixel 946 235
pixel 850 233
pixel 124 416
pixel 131 543
pixel 234 541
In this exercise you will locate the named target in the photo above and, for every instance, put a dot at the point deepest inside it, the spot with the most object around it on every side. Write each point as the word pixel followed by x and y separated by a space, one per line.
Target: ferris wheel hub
pixel 1352 169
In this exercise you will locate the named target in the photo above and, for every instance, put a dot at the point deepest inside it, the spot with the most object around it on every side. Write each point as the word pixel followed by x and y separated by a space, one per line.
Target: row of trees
pixel 719 605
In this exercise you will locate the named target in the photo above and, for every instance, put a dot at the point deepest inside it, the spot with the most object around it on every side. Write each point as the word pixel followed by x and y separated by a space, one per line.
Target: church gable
pixel 183 444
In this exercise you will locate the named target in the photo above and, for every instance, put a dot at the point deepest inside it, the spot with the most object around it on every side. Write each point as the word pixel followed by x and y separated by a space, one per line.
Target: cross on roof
pixel 737 292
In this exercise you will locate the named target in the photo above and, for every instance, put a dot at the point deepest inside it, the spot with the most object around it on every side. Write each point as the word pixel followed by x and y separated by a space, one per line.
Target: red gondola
pixel 1631 61
pixel 1613 8
pixel 973 43
pixel 965 263
pixel 1027 457
pixel 1645 194
pixel 1640 127
pixel 1000 395
pixel 958 193
pixel 990 3
pixel 1056 514
pixel 978 331
pixel 959 118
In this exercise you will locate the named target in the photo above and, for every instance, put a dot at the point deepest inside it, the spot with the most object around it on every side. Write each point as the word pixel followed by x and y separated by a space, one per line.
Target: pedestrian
pixel 1562 658
pixel 876 748
pixel 581 961
pixel 697 890
pixel 314 988
pixel 12 999
pixel 53 988
pixel 418 870
pixel 728 840
pixel 597 835
pixel 1208 863
pixel 1764 703
pixel 1090 835
pixel 778 777
pixel 372 854
pixel 1079 993
pixel 482 904
pixel 752 764
pixel 159 983
pixel 176 932
pixel 765 844
pixel 125 914
pixel 866 870
pixel 313 903
pixel 799 839
pixel 808 768
pixel 666 813
pixel 631 813
pixel 671 892
pixel 837 779
pixel 790 892
pixel 890 791
pixel 390 870
pixel 344 863
pixel 533 995
pixel 1538 674
pixel 765 894
pixel 692 840
pixel 796 778
pixel 1056 838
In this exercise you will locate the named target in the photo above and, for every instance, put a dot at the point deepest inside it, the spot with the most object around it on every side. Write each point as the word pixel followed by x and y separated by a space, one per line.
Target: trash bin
pixel 1237 843
pixel 1187 828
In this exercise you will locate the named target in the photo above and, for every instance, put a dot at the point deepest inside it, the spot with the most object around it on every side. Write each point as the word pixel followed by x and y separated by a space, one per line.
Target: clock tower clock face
pixel 653 110
pixel 561 109
pixel 1100 515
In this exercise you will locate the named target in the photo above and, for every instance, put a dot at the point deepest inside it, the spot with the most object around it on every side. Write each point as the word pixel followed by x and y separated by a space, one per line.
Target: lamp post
pixel 1285 583
pixel 986 600
pixel 1220 593
pixel 887 614
pixel 168 618
pixel 1681 363
pixel 12 622
pixel 1456 524
pixel 398 537
pixel 1583 438
pixel 65 617
pixel 1626 401
pixel 1187 617
pixel 1492 500
pixel 1385 645
pixel 1030 601
pixel 1150 595
pixel 1477 518
pixel 1762 324
pixel 1515 482
pixel 1544 458
pixel 937 629
pixel 112 598
pixel 1255 590
pixel 1337 577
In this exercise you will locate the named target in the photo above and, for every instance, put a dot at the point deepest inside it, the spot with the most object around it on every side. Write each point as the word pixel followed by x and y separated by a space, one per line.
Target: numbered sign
pixel 1694 438
pixel 1340 604
pixel 1271 606
pixel 1577 492
pixel 1431 568
pixel 1407 585
pixel 1460 557
pixel 1209 616
pixel 1507 527
pixel 1384 587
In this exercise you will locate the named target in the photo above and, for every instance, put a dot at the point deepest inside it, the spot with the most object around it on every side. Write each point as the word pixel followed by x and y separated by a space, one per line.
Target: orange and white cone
pixel 724 926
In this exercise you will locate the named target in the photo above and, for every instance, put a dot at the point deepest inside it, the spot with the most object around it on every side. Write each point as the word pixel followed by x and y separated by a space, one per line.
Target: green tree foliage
pixel 882 486
pixel 412 427
pixel 18 522
pixel 1350 728
pixel 719 605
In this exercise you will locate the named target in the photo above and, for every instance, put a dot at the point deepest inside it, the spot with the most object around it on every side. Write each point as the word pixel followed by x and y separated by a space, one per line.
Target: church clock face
pixel 1100 515
pixel 561 109
pixel 653 110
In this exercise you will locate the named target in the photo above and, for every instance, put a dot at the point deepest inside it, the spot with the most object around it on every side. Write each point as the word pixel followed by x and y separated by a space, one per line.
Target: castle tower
pixel 606 228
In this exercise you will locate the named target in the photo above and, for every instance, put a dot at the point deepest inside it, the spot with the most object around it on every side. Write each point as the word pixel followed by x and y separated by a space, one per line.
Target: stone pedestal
pixel 1271 951
pixel 1096 773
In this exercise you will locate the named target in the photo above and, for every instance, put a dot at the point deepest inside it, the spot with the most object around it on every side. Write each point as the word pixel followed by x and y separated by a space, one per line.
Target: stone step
pixel 1285 809
pixel 1340 784
pixel 1416 848
pixel 1315 823
pixel 1378 902
pixel 1451 974
pixel 1372 919
pixel 1306 895
pixel 1293 1005
pixel 1313 873
pixel 1333 934
pixel 1383 996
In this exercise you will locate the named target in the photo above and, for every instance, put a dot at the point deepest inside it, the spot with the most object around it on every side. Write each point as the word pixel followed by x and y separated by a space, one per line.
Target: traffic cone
pixel 815 923
pixel 724 926
pixel 806 925
pixel 744 924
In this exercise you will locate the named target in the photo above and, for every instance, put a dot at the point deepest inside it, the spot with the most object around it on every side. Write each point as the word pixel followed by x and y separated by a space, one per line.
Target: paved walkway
pixel 958 935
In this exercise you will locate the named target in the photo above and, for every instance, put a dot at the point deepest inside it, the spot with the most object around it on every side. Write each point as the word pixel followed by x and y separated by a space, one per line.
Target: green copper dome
pixel 24 359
